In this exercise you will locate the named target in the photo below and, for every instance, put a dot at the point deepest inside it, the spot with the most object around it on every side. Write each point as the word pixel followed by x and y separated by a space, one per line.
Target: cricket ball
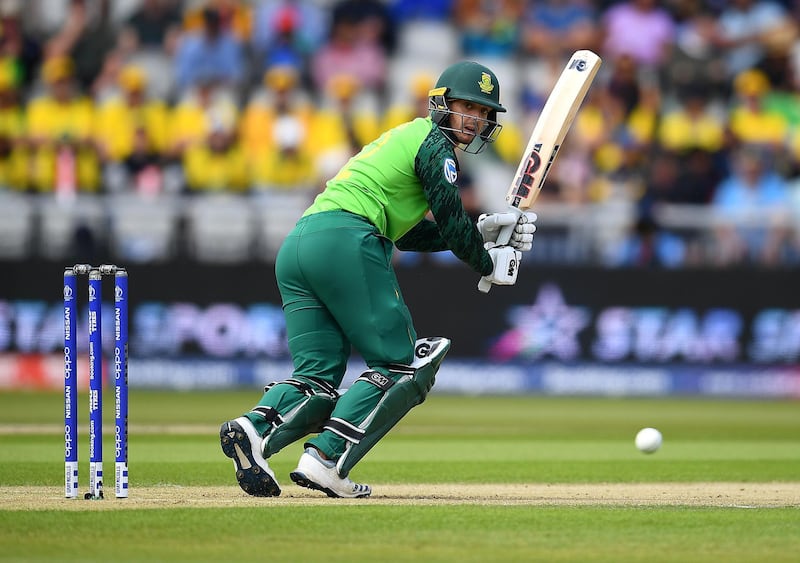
pixel 648 440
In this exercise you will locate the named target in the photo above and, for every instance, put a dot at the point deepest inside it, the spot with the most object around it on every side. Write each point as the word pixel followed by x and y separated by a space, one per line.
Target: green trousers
pixel 340 291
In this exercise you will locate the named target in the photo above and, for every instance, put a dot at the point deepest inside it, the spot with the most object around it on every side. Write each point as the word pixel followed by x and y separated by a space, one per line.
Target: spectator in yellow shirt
pixel 287 165
pixel 235 16
pixel 12 127
pixel 410 104
pixel 693 125
pixel 121 116
pixel 346 122
pixel 279 96
pixel 59 133
pixel 217 164
pixel 191 120
pixel 751 123
pixel 275 130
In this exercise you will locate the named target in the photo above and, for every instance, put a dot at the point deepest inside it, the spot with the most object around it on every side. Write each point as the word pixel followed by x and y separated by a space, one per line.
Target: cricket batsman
pixel 339 290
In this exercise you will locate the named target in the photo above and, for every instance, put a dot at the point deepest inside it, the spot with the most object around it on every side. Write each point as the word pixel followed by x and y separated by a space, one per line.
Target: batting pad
pixel 406 392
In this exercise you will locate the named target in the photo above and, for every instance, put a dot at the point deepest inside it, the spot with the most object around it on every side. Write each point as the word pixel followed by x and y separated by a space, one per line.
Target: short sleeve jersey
pixel 395 180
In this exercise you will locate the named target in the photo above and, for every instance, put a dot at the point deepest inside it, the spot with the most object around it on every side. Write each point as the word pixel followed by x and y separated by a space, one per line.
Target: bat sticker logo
pixel 450 170
pixel 578 64
pixel 524 181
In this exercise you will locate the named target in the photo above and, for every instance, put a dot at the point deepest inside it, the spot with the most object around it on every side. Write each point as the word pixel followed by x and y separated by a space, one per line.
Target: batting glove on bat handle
pixel 513 228
pixel 506 262
pixel 522 235
pixel 494 226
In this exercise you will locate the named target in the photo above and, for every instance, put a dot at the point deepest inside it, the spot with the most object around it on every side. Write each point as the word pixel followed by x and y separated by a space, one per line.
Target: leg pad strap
pixel 302 408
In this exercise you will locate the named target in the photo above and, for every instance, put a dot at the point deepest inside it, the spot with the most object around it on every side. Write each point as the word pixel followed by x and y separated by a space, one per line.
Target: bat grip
pixel 484 285
pixel 504 236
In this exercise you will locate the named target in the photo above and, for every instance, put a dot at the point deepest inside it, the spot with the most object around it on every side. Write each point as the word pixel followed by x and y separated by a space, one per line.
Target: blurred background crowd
pixel 145 130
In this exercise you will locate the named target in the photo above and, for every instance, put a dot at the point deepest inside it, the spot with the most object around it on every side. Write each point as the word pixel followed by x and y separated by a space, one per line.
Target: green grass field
pixel 460 479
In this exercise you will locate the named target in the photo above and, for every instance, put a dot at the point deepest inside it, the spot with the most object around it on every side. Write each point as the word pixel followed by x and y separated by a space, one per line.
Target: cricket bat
pixel 548 134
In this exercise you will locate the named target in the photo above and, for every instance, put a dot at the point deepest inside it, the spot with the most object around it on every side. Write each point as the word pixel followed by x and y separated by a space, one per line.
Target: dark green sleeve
pixel 423 237
pixel 453 229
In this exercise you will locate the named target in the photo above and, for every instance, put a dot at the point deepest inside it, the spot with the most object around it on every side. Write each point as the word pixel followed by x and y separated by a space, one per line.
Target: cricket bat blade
pixel 548 135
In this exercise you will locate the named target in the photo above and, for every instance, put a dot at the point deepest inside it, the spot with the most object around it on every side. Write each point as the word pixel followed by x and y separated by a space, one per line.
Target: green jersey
pixel 395 180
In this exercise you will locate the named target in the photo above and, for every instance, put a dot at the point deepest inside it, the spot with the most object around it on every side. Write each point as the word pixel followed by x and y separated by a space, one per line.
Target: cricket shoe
pixel 238 438
pixel 319 474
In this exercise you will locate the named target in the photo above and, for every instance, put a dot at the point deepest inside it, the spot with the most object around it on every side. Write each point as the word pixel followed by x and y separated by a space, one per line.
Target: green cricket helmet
pixel 473 82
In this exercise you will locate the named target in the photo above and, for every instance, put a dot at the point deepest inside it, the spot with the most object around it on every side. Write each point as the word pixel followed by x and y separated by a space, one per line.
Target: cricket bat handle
pixel 504 236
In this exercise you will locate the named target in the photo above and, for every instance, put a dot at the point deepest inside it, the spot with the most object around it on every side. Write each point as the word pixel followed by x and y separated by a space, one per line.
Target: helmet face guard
pixel 488 129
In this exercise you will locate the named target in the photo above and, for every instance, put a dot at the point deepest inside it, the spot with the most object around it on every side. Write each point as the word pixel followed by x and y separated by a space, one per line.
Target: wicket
pixel 95 275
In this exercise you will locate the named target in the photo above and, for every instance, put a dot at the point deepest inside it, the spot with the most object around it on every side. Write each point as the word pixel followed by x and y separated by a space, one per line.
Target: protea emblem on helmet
pixel 485 84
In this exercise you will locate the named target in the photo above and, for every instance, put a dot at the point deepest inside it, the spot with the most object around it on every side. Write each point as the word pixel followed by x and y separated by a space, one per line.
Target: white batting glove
pixel 506 262
pixel 510 228
pixel 491 224
pixel 522 237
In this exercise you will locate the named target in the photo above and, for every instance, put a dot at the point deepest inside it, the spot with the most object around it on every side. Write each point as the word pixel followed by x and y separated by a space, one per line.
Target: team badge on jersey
pixel 450 170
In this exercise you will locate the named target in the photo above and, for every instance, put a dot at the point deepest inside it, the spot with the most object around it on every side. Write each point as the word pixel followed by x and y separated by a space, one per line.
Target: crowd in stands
pixel 697 103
